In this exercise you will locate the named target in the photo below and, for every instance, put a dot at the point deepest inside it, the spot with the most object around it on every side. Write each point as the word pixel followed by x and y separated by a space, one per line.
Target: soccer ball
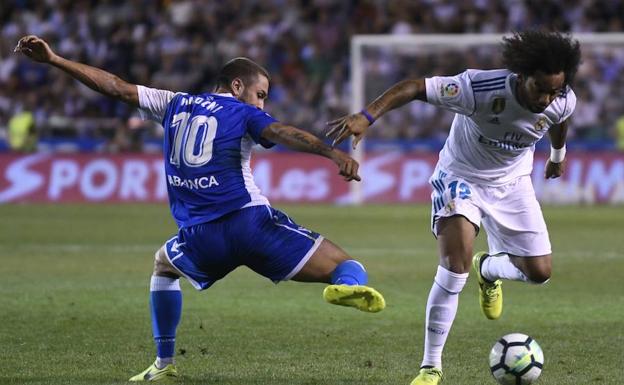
pixel 516 359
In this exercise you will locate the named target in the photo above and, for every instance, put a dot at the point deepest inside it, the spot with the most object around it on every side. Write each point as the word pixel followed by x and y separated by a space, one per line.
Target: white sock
pixel 162 362
pixel 161 283
pixel 441 310
pixel 500 267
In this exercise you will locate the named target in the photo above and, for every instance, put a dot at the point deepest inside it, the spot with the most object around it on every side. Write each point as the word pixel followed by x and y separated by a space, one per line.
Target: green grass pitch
pixel 74 284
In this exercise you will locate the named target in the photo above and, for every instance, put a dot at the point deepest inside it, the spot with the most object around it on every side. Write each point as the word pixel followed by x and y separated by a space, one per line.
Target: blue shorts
pixel 259 237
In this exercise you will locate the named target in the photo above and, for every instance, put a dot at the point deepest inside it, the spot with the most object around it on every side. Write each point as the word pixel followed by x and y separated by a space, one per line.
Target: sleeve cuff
pixel 431 90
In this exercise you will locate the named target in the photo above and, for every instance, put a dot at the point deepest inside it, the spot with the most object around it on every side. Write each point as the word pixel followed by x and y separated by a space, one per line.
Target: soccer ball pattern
pixel 516 359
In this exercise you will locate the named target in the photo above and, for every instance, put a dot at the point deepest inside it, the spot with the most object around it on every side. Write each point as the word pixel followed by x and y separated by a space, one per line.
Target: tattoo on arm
pixel 308 142
pixel 296 139
pixel 401 93
pixel 100 80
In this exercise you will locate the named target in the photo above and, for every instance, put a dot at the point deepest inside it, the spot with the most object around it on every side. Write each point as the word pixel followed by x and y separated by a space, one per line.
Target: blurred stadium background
pixel 180 45
pixel 74 277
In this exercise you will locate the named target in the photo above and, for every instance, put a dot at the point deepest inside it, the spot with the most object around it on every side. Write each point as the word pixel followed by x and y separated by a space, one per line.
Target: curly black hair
pixel 528 52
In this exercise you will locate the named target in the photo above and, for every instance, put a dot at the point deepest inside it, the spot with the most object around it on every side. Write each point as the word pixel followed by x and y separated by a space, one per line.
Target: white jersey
pixel 492 138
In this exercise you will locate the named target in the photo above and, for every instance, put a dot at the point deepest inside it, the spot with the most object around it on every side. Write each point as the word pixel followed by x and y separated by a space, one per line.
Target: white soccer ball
pixel 516 359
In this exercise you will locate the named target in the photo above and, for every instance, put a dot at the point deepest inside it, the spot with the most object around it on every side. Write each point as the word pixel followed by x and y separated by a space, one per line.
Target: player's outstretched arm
pixel 302 141
pixel 555 166
pixel 96 79
pixel 356 124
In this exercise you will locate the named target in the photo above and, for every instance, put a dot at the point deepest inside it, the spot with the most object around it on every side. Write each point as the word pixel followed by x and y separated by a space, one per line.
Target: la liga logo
pixel 449 90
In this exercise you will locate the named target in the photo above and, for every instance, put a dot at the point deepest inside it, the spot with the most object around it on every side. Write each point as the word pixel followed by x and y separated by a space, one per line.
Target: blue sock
pixel 166 307
pixel 349 272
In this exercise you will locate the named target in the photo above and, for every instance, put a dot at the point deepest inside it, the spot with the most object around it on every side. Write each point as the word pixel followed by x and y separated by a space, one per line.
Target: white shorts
pixel 511 214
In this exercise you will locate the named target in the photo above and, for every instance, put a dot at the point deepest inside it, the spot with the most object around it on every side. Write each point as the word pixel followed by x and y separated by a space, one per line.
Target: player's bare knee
pixel 458 264
pixel 162 266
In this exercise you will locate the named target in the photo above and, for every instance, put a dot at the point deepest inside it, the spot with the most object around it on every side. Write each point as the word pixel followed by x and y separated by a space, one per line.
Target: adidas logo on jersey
pixel 494 120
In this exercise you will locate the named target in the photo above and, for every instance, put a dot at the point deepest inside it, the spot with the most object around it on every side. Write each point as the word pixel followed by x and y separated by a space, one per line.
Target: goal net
pixel 378 61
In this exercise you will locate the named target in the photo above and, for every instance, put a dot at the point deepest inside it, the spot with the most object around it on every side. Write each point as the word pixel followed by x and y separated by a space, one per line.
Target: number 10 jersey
pixel 207 151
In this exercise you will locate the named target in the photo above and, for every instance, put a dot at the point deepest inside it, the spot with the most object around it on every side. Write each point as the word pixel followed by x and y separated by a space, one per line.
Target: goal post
pixel 422 44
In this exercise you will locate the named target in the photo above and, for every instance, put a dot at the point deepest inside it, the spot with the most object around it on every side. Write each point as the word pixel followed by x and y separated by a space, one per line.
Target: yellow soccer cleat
pixel 428 376
pixel 490 293
pixel 360 297
pixel 154 374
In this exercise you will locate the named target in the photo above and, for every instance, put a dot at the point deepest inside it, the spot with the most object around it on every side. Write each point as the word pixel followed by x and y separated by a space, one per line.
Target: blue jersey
pixel 207 150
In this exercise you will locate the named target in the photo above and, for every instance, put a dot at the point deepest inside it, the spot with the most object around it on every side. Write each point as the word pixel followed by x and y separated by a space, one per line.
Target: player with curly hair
pixel 483 172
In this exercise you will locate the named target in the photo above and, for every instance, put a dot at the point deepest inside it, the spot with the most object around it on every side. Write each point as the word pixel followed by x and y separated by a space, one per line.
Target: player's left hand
pixel 554 170
pixel 347 165
pixel 341 128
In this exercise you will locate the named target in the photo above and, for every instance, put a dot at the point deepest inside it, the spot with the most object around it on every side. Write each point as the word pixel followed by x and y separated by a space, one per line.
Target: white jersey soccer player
pixel 483 173
pixel 488 116
pixel 488 157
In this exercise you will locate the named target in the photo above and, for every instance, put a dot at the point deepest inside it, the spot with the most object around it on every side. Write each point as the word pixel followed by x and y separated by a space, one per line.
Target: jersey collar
pixel 226 94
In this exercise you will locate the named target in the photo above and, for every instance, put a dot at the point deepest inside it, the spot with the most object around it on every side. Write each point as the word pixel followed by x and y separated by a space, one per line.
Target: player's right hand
pixel 35 48
pixel 347 165
pixel 342 128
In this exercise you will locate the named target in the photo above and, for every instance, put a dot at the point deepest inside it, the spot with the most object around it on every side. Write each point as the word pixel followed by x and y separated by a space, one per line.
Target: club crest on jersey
pixel 449 90
pixel 541 124
pixel 450 207
pixel 498 105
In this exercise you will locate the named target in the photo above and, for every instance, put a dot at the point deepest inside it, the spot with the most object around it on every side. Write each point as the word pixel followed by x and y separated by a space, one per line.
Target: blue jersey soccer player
pixel 224 222
pixel 483 173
